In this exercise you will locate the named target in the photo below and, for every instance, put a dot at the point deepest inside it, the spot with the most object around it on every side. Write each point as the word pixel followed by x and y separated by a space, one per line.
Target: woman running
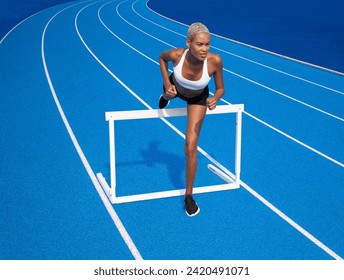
pixel 193 68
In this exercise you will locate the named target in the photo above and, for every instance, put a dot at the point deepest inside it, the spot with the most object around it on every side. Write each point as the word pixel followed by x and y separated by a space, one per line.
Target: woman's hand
pixel 211 103
pixel 171 91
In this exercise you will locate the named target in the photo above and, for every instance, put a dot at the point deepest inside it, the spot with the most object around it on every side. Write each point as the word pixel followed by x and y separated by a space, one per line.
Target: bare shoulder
pixel 172 54
pixel 214 63
pixel 214 59
pixel 176 54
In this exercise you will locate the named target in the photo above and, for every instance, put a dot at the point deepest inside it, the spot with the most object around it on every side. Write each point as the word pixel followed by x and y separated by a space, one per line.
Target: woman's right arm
pixel 164 58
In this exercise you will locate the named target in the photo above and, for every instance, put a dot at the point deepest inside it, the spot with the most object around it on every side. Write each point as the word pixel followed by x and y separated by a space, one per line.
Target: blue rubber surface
pixel 62 68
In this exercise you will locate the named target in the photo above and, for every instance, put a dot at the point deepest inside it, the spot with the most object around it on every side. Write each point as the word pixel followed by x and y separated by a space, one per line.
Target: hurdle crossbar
pixel 232 180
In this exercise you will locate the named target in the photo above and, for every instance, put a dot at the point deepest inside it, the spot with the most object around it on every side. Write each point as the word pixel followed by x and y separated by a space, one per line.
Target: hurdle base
pixel 231 185
pixel 105 186
pixel 227 177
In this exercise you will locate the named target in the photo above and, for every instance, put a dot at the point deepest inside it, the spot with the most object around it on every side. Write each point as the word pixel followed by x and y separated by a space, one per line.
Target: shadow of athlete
pixel 175 164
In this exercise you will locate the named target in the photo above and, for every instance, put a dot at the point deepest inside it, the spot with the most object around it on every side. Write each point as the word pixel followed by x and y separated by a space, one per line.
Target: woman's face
pixel 199 45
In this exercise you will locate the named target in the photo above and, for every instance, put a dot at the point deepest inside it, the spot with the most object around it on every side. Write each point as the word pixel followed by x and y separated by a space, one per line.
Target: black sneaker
pixel 163 102
pixel 191 207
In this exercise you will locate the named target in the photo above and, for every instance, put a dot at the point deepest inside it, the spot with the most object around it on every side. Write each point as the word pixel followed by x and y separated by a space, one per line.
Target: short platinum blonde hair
pixel 196 28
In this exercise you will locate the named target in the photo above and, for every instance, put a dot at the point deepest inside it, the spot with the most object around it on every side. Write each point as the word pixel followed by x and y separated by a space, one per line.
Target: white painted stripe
pixel 291 138
pixel 127 239
pixel 149 35
pixel 282 72
pixel 291 222
pixel 9 32
pixel 286 96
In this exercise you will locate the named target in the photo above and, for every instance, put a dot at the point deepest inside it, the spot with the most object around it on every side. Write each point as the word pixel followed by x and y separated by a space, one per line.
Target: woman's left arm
pixel 218 79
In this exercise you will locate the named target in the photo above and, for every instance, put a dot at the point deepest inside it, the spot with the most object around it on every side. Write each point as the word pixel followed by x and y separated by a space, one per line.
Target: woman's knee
pixel 190 149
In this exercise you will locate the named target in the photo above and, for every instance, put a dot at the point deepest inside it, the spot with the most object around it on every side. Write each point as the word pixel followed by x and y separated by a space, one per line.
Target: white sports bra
pixel 188 84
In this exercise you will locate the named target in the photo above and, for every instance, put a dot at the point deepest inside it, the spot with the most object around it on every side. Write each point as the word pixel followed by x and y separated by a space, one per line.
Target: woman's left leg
pixel 195 116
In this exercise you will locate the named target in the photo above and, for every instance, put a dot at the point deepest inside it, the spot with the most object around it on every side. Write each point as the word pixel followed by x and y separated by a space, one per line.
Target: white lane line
pixel 119 225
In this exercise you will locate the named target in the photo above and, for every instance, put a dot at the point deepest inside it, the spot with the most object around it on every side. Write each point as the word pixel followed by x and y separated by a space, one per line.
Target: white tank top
pixel 188 84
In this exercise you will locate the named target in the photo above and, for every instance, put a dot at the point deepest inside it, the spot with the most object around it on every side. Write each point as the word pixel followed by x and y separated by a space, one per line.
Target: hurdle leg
pixel 238 146
pixel 112 159
pixel 110 191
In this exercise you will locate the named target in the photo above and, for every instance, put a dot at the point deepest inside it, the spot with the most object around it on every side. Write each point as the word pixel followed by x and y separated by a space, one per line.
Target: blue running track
pixel 62 68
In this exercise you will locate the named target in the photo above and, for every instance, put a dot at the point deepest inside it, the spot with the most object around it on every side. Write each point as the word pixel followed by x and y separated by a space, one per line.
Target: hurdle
pixel 232 180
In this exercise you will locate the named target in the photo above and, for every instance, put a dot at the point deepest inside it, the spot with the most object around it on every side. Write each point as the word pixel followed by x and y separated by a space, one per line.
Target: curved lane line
pixel 115 218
